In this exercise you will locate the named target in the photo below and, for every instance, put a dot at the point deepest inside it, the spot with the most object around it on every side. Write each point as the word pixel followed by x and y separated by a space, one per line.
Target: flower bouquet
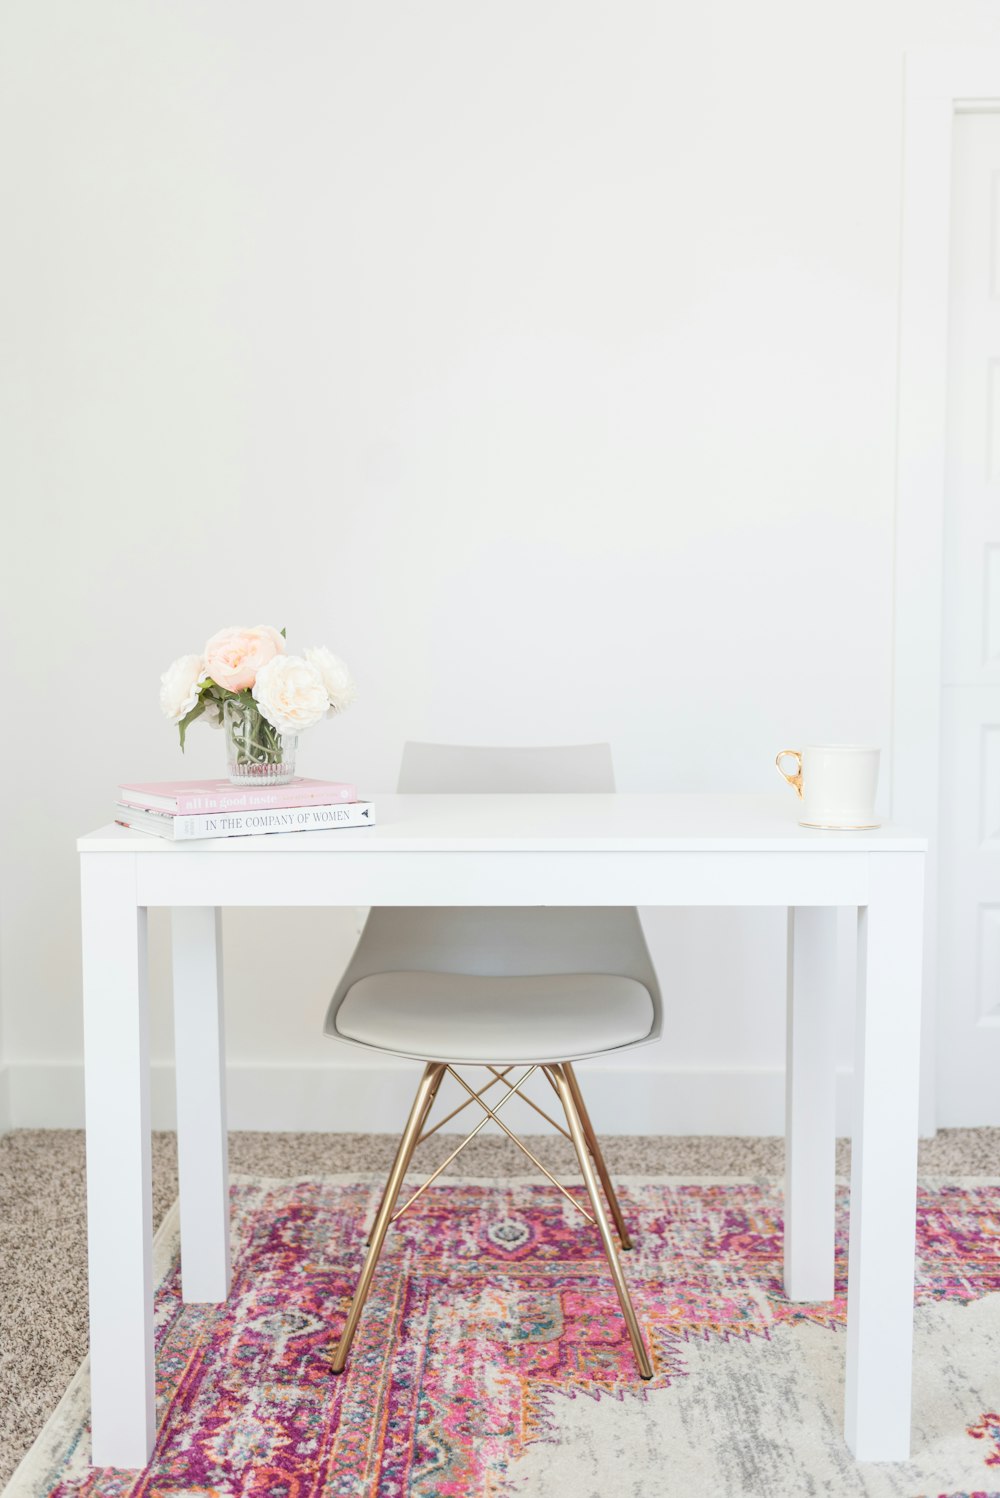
pixel 245 682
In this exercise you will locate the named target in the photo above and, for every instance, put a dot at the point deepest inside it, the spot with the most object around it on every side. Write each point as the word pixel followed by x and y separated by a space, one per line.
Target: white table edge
pixel 113 838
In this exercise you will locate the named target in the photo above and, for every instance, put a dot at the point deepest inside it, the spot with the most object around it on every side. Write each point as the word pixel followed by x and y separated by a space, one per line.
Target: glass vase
pixel 256 753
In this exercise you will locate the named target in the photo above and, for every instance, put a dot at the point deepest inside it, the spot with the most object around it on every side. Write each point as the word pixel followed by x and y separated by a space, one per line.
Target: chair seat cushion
pixel 457 1017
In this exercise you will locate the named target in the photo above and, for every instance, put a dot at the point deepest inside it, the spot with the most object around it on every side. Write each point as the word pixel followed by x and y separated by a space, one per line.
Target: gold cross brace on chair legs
pixel 521 1145
pixel 512 1090
pixel 589 1157
pixel 487 1115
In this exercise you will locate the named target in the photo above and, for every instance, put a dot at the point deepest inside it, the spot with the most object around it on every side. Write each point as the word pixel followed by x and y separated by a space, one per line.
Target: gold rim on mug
pixel 842 826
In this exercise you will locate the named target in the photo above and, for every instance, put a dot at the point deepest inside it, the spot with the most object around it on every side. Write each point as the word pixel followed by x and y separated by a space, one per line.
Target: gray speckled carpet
pixel 43 1315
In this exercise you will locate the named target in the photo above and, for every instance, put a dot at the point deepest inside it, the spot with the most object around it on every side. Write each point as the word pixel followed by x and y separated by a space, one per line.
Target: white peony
pixel 337 680
pixel 290 693
pixel 213 712
pixel 179 686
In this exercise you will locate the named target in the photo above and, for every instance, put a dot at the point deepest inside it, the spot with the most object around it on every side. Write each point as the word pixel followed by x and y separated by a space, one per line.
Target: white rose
pixel 213 713
pixel 179 686
pixel 290 693
pixel 337 680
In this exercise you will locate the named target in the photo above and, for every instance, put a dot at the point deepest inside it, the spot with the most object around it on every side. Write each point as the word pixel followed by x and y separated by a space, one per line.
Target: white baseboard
pixel 362 1098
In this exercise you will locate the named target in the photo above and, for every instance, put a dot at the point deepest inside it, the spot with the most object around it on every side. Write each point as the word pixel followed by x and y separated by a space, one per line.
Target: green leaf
pixel 281 632
pixel 188 719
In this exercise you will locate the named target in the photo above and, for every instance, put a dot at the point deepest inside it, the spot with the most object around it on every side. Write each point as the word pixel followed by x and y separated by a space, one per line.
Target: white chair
pixel 539 987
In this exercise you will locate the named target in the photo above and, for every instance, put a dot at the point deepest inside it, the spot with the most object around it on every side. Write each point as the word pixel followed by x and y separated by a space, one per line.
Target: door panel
pixel 969 903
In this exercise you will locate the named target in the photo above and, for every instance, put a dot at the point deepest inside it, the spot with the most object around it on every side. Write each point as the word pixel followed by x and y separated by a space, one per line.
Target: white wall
pixel 536 357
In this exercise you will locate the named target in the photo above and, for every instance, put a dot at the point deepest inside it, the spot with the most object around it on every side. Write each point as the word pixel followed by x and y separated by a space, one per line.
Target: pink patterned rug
pixel 492 1359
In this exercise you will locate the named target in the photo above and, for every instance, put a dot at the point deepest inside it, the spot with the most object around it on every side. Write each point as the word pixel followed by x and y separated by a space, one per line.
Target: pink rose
pixel 234 656
pixel 272 634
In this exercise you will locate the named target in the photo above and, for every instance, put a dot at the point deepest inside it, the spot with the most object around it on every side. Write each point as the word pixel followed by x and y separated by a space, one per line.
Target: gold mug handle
pixel 796 779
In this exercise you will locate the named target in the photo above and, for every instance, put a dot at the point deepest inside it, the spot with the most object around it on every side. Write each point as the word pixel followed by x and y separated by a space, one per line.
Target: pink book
pixel 184 797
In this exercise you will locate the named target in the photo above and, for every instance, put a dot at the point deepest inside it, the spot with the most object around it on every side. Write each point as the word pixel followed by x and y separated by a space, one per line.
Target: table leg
pixel 810 1078
pixel 202 1146
pixel 884 1162
pixel 119 1201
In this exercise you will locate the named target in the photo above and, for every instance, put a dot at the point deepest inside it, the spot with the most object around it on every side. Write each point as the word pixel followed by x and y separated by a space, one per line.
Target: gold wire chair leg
pixel 598 1154
pixel 593 1190
pixel 498 1077
pixel 429 1084
pixel 409 1157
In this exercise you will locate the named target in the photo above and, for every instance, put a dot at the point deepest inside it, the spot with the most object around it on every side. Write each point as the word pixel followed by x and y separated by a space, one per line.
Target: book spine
pixel 280 796
pixel 195 803
pixel 277 819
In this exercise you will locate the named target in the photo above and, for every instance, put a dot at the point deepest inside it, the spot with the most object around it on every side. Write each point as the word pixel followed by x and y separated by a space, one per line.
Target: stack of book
pixel 183 809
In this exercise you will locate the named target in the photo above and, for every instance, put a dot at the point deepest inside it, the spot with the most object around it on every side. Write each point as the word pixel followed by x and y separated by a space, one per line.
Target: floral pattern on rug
pixel 988 1429
pixel 491 1301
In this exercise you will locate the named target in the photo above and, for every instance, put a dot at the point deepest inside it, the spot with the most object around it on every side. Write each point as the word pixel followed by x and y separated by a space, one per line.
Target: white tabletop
pixel 545 823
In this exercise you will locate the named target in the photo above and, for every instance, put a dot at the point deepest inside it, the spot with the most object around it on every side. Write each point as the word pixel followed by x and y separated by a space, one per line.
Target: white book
pixel 182 828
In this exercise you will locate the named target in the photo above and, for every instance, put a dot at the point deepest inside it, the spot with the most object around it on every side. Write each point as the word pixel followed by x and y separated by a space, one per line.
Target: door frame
pixel 938 84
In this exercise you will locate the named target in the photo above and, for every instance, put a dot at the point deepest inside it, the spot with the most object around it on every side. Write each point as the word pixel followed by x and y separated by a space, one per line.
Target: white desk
pixel 511 850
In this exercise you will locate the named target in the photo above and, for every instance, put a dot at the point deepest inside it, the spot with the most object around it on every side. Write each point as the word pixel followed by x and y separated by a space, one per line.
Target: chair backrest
pixel 431 769
pixel 509 940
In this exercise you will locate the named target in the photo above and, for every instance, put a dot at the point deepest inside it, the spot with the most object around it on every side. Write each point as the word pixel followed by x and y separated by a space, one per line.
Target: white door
pixel 969 978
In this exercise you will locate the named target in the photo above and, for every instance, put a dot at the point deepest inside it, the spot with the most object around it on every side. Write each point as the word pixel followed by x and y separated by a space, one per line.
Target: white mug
pixel 836 785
